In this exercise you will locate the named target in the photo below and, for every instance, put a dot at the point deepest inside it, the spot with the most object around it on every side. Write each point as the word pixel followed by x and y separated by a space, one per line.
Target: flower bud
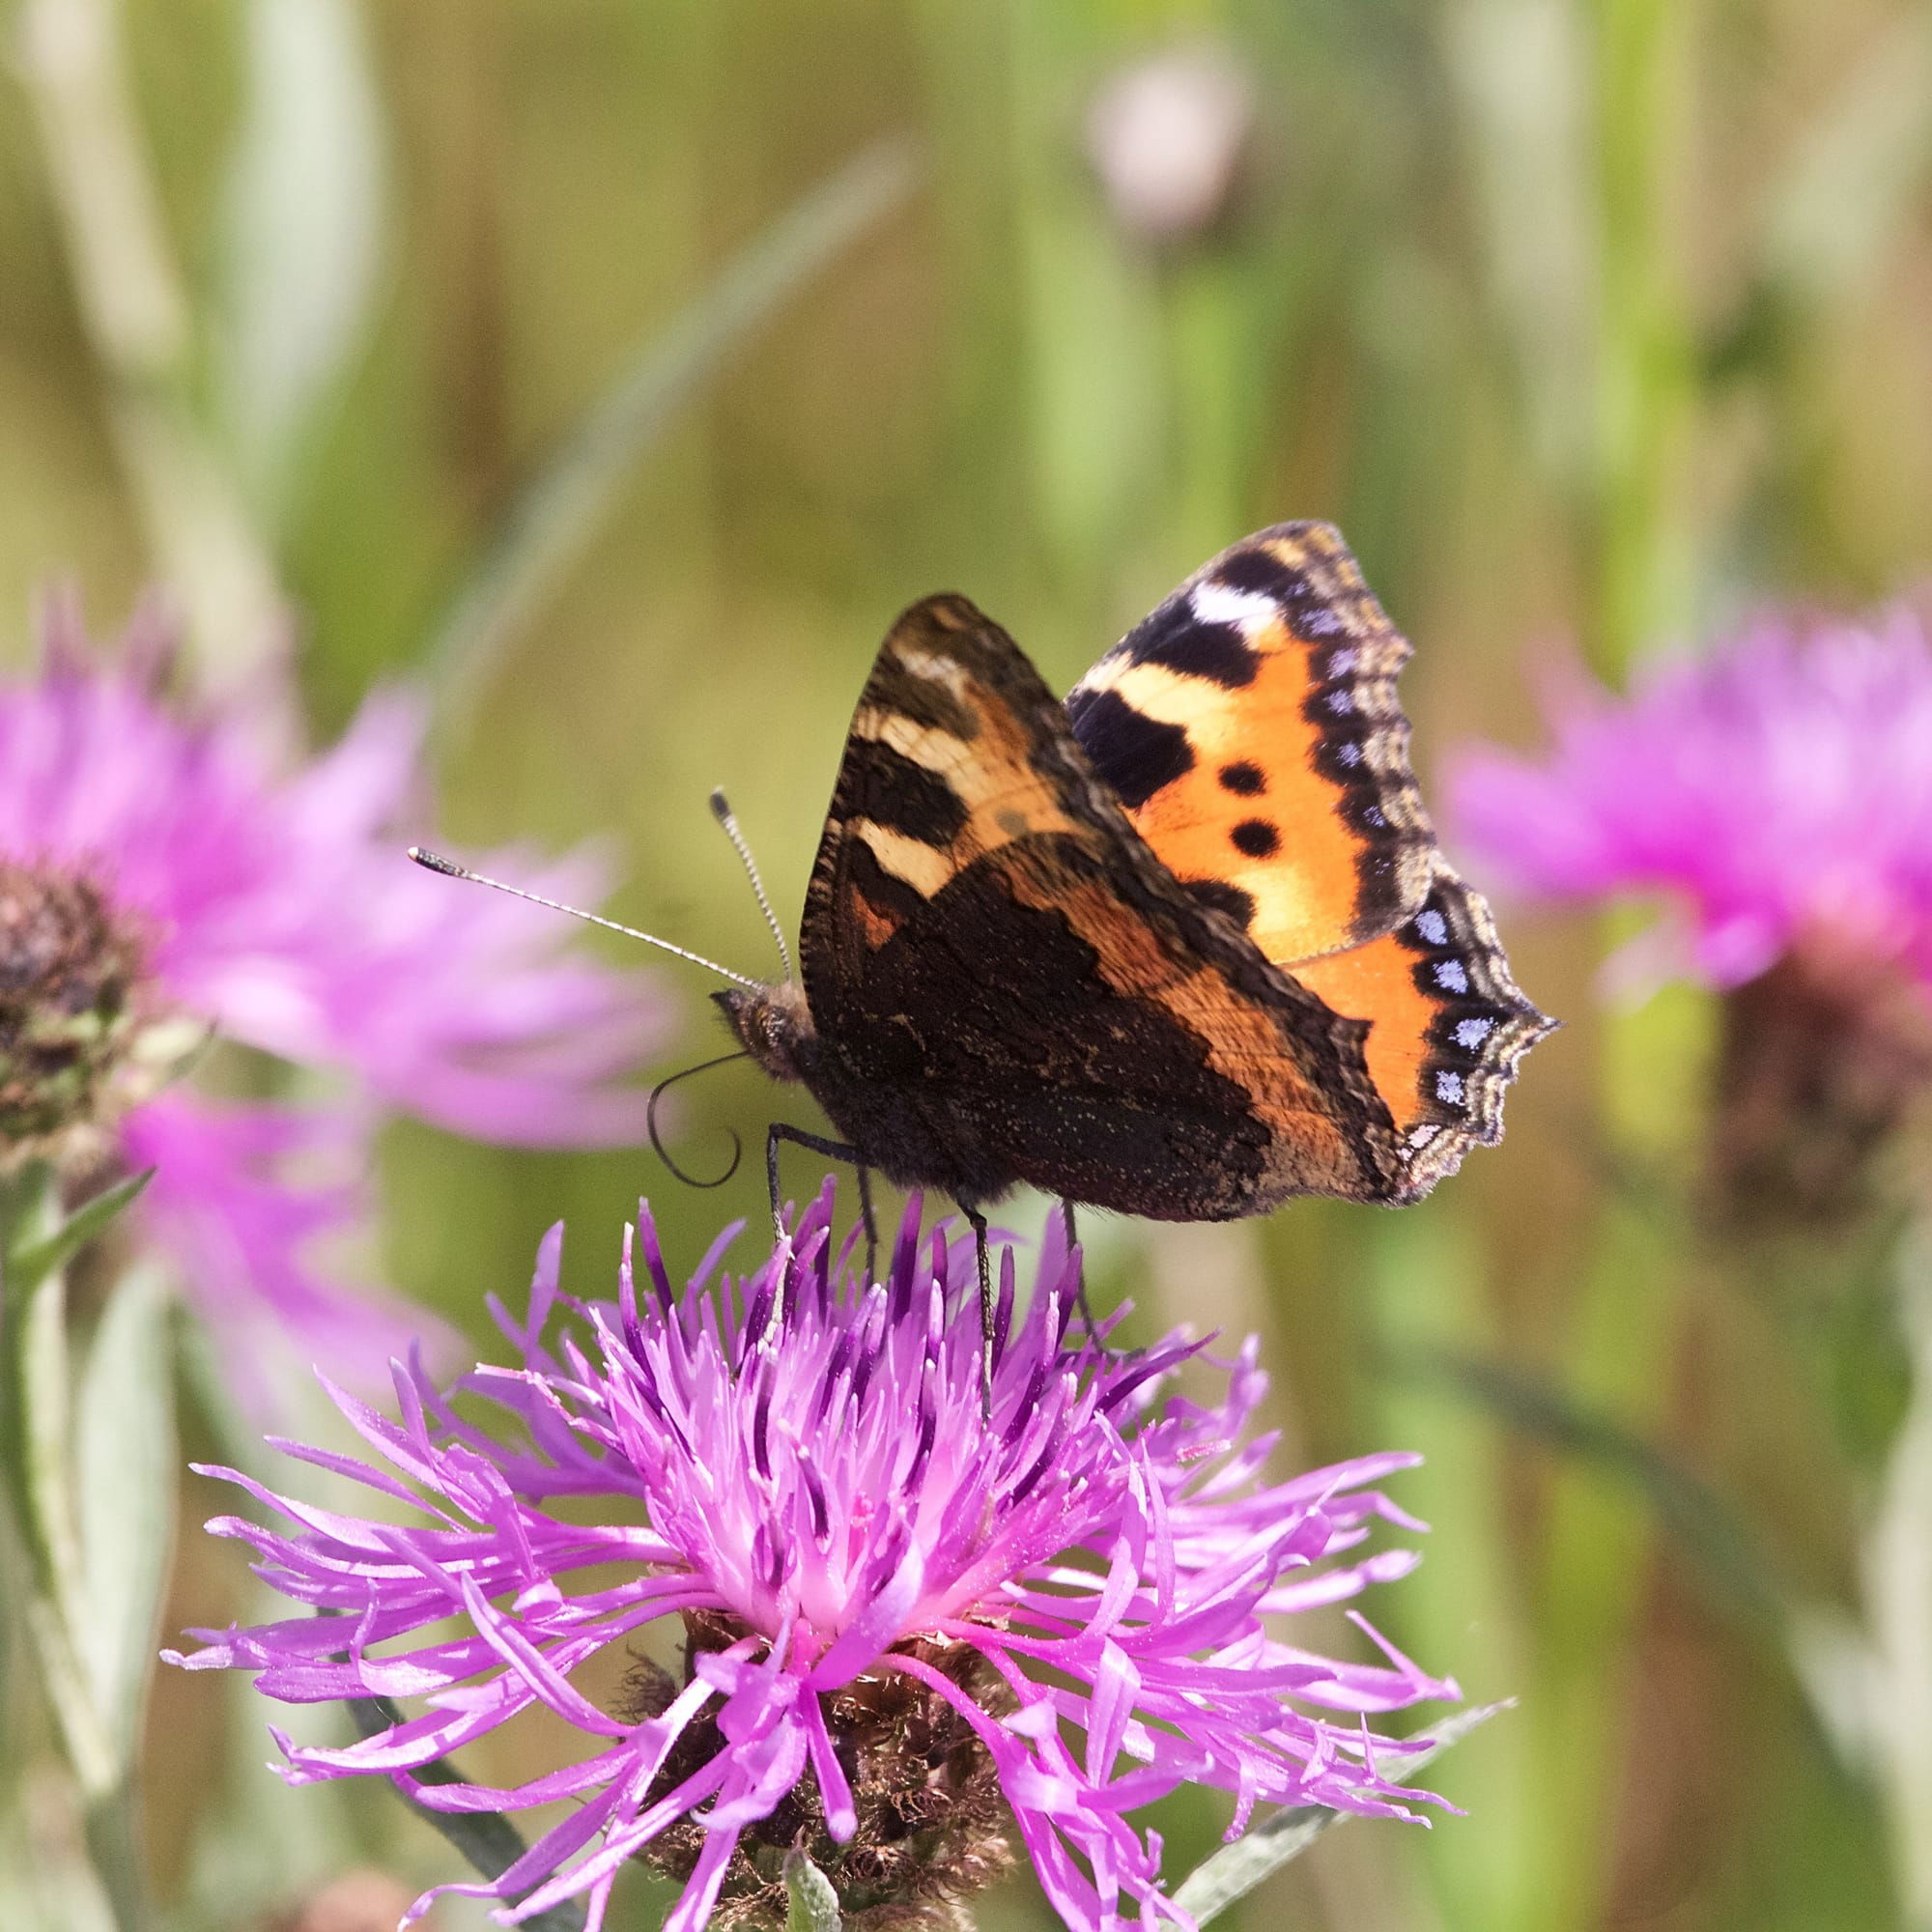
pixel 69 974
pixel 1824 1056
pixel 1169 138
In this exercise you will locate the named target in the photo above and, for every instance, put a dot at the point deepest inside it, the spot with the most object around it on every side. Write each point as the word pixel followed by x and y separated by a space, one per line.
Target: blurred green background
pixel 596 362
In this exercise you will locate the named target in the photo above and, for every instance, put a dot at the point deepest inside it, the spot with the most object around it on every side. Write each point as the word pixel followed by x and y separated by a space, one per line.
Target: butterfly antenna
pixel 657 1141
pixel 722 811
pixel 435 861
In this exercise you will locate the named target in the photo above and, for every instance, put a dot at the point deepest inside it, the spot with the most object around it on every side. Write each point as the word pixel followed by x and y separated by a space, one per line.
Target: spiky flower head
pixel 1777 788
pixel 883 1614
pixel 1778 793
pixel 166 877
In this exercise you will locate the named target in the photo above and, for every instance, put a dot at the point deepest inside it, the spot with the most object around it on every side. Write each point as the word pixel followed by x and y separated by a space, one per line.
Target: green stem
pixel 1898 1610
pixel 36 1450
pixel 1644 351
pixel 486 1839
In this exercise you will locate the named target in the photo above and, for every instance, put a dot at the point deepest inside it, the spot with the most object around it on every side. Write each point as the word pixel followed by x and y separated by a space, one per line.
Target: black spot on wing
pixel 1176 639
pixel 1260 573
pixel 1240 906
pixel 1243 778
pixel 891 790
pixel 1257 838
pixel 1482 1024
pixel 1135 754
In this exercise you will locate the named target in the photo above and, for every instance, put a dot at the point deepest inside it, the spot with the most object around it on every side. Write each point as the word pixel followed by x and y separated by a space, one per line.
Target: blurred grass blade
pixel 558 510
pixel 1855 182
pixel 302 229
pixel 1521 69
pixel 1235 1871
pixel 486 1839
pixel 138 324
pixel 33 1259
pixel 811 1903
pixel 125 1482
pixel 1693 1515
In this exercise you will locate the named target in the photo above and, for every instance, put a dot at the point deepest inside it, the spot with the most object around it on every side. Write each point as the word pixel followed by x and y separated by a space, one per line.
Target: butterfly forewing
pixel 1251 730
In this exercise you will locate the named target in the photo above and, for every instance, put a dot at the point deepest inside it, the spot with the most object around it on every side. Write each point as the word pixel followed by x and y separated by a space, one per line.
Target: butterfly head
pixel 774 1025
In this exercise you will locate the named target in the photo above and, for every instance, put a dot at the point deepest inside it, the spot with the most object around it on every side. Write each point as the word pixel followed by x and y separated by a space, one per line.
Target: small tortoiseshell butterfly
pixel 1184 946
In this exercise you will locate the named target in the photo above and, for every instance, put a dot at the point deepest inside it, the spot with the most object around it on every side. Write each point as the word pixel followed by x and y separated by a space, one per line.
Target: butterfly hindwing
pixel 1251 730
pixel 1447 1026
pixel 1008 986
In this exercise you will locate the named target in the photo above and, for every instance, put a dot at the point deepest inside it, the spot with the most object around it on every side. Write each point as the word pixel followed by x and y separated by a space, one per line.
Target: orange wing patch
pixel 1447 1025
pixel 1251 729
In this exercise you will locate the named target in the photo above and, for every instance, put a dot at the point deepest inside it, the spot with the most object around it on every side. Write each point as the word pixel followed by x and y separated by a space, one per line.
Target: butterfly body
pixel 1182 948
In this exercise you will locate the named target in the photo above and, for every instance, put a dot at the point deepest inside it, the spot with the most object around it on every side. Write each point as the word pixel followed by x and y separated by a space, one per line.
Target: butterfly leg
pixel 1080 1287
pixel 870 1221
pixel 782 1130
pixel 986 1309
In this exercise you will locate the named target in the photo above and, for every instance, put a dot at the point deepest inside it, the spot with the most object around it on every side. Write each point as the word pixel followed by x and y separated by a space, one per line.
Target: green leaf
pixel 1265 1848
pixel 486 1839
pixel 125 1475
pixel 44 1251
pixel 559 510
pixel 811 1903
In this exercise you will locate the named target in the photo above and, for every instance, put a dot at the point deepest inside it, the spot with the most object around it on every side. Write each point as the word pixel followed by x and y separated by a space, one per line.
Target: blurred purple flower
pixel 842 1533
pixel 1781 788
pixel 271 903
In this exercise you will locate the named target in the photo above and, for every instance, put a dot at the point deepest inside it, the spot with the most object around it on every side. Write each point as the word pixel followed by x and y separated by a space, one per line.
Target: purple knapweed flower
pixel 1779 789
pixel 898 1625
pixel 165 877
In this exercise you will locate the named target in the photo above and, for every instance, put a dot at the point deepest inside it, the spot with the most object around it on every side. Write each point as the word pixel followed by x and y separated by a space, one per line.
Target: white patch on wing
pixel 933 667
pixel 1222 603
pixel 1471 1034
pixel 1450 976
pixel 1433 927
pixel 925 868
pixel 1449 1087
